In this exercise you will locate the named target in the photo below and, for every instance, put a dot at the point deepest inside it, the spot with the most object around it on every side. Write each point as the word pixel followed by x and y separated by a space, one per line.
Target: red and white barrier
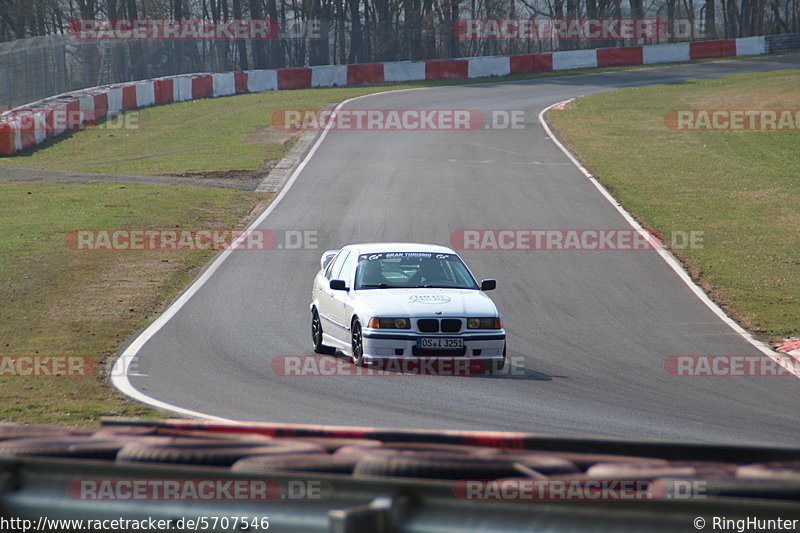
pixel 294 78
pixel 15 128
pixel 164 90
pixel 100 105
pixel 262 80
pixel 34 123
pixel 365 73
pixel 404 71
pixel 240 82
pixel 528 63
pixel 447 69
pixel 39 119
pixel 704 50
pixel 129 99
pixel 480 67
pixel 619 57
pixel 86 105
pixel 114 95
pixel 224 84
pixel 27 132
pixel 574 59
pixel 665 53
pixel 8 137
pixel 181 88
pixel 329 76
pixel 145 93
pixel 202 86
pixel 751 46
pixel 58 108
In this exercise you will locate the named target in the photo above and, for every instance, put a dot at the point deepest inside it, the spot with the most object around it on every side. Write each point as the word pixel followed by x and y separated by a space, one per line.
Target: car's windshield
pixel 412 269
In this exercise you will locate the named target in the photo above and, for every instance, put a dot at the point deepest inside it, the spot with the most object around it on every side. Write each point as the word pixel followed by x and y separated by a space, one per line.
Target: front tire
pixel 316 335
pixel 357 344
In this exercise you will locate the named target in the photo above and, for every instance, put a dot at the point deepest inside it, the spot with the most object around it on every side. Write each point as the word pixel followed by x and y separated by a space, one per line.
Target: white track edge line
pixel 665 254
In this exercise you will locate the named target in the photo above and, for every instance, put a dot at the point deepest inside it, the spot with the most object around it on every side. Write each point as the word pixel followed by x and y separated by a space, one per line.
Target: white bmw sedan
pixel 377 302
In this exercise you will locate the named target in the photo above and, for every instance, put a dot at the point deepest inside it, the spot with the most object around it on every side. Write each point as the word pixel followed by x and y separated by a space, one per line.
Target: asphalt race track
pixel 588 331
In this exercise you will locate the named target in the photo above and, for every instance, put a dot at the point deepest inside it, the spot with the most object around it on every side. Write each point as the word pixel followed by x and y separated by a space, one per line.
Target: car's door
pixel 326 304
pixel 321 283
pixel 330 301
pixel 343 301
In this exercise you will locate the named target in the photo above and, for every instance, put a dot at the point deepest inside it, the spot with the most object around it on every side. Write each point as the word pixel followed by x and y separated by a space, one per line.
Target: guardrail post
pixel 375 517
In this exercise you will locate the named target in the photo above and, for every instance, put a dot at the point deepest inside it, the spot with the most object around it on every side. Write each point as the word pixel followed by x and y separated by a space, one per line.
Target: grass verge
pixel 63 302
pixel 737 187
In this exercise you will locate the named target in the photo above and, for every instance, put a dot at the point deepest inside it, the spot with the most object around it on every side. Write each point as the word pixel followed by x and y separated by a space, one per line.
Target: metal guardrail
pixel 777 44
pixel 381 501
pixel 32 488
pixel 669 450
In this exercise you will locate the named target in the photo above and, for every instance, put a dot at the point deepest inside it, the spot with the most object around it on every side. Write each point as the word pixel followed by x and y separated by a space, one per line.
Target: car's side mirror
pixel 488 285
pixel 326 257
pixel 338 285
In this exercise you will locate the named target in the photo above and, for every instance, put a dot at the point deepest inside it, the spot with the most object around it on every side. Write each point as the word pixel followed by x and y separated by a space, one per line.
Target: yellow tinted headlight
pixel 389 323
pixel 484 323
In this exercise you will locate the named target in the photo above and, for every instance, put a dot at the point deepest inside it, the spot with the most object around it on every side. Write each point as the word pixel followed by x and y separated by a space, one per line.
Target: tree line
pixel 357 31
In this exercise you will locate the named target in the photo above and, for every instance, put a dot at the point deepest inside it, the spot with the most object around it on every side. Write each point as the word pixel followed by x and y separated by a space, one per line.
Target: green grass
pixel 738 187
pixel 58 301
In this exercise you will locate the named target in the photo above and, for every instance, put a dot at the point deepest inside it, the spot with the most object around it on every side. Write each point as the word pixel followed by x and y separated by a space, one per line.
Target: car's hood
pixel 427 302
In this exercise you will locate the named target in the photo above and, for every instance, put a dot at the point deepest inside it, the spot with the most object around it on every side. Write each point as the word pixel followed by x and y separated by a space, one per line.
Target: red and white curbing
pixel 33 124
pixel 790 347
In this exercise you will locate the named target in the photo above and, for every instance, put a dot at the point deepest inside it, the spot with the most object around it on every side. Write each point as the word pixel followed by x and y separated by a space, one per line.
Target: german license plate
pixel 440 343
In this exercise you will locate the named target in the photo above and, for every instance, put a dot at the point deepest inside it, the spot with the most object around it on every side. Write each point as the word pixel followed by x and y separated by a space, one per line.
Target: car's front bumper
pixel 387 345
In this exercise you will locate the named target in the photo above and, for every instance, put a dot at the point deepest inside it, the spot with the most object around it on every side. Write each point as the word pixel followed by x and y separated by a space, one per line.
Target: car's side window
pixel 337 264
pixel 329 268
pixel 347 268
